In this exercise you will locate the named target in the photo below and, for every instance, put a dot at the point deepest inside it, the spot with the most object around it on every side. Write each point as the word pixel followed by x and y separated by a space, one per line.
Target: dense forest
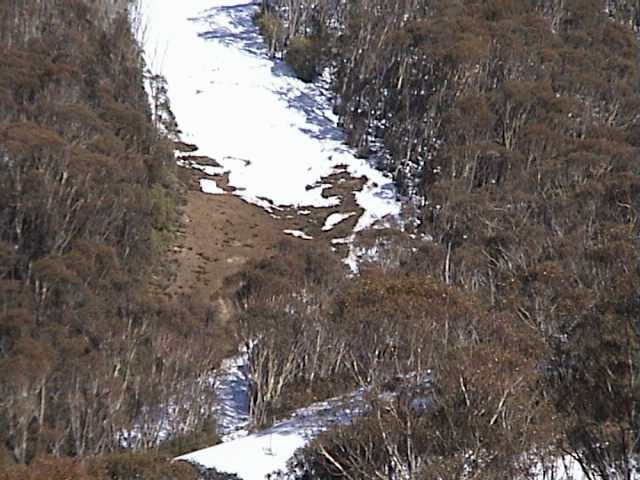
pixel 496 336
pixel 90 357
pixel 513 127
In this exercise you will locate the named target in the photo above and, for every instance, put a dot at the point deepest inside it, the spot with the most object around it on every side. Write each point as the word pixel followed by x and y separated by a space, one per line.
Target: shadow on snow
pixel 238 30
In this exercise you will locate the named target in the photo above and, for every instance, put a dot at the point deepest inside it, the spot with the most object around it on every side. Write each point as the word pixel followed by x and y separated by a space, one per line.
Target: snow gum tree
pixel 88 198
pixel 514 127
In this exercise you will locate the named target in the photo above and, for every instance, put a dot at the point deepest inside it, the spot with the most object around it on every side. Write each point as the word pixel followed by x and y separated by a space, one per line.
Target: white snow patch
pixel 568 468
pixel 257 455
pixel 273 133
pixel 209 170
pixel 340 241
pixel 298 234
pixel 209 186
pixel 374 199
pixel 334 219
pixel 252 457
pixel 565 468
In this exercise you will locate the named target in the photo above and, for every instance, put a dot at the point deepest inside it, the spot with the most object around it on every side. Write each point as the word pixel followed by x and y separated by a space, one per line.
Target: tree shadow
pixel 310 99
pixel 234 400
pixel 234 26
pixel 239 29
pixel 311 421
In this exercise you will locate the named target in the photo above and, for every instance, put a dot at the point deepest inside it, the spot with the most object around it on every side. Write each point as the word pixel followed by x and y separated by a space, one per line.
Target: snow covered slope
pixel 275 134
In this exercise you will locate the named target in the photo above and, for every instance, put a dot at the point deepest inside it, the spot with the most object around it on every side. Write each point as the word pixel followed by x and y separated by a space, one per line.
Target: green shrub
pixel 304 55
pixel 272 30
pixel 128 466
pixel 125 466
pixel 206 437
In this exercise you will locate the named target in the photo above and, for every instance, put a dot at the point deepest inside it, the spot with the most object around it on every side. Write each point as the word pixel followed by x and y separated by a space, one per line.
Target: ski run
pixel 274 135
pixel 277 139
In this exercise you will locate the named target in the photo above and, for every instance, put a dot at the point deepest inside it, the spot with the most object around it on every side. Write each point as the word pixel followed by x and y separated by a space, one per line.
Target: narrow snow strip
pixel 298 234
pixel 232 394
pixel 208 169
pixel 334 219
pixel 210 186
pixel 352 260
pixel 340 241
pixel 257 455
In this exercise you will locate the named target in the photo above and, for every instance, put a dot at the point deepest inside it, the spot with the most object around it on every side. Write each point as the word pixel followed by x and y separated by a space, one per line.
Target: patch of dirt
pixel 221 233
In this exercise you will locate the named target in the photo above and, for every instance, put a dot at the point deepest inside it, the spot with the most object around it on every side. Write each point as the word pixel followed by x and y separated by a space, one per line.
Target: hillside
pixel 510 127
pixel 353 240
pixel 89 203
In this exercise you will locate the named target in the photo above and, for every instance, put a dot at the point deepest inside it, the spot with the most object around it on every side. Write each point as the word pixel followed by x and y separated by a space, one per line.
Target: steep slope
pixel 515 124
pixel 88 199
pixel 270 162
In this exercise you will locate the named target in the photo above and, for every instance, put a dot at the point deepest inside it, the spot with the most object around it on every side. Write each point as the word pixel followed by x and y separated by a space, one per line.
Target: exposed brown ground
pixel 221 233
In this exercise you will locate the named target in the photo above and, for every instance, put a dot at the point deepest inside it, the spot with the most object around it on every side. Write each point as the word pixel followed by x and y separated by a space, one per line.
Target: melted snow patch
pixel 210 186
pixel 298 234
pixel 334 219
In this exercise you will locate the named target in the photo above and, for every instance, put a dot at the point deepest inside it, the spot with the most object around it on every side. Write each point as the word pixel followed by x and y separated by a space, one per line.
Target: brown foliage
pixel 114 467
pixel 515 124
pixel 87 189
